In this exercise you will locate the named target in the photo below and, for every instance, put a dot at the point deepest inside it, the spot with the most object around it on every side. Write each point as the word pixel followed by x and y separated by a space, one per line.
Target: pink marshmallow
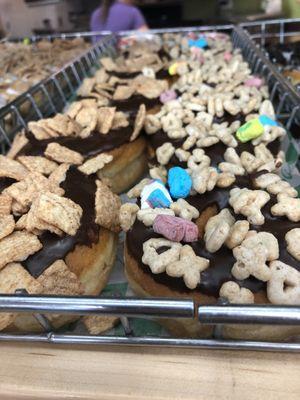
pixel 255 81
pixel 167 96
pixel 227 56
pixel 175 229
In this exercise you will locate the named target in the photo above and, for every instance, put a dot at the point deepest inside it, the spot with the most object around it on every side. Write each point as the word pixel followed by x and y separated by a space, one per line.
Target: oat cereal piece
pixel 159 173
pixel 58 124
pixel 123 92
pixel 17 247
pixel 164 153
pixel 38 130
pixel 74 109
pixel 127 215
pixel 87 118
pixel 152 124
pixel 293 242
pixel 86 87
pixel 152 88
pixel 148 215
pixel 20 140
pixel 235 294
pixel 159 262
pixel 225 179
pixel 184 210
pixel 59 174
pixel 217 230
pixel 108 64
pixel 62 154
pixel 249 203
pixel 5 204
pixel 204 179
pixel 252 255
pixel 99 324
pixel 138 188
pixel 139 122
pixel 59 211
pixel 106 116
pixel 237 234
pixel 38 164
pixel 12 278
pixel 120 121
pixel 107 205
pixel 287 206
pixel 59 280
pixel 7 225
pixel 12 169
pixel 189 266
pixel 33 224
pixel 283 286
pixel 94 164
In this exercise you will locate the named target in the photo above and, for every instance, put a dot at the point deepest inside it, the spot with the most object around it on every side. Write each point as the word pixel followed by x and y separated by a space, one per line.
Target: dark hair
pixel 106 4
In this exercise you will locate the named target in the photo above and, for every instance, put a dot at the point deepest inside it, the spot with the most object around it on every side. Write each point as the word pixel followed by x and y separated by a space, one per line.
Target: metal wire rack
pixel 222 313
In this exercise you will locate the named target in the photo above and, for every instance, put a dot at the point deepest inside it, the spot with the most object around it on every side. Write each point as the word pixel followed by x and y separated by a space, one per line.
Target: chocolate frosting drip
pixel 221 262
pixel 132 104
pixel 81 189
pixel 95 144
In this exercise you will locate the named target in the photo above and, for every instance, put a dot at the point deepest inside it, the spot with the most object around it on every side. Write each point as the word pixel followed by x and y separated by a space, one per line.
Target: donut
pixel 215 221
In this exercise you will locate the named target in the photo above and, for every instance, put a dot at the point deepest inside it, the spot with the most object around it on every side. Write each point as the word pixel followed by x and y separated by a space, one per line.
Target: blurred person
pixel 116 16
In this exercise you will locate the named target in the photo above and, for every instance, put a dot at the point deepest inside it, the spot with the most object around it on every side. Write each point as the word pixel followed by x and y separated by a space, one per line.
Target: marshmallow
pixel 155 195
pixel 175 229
pixel 167 96
pixel 180 183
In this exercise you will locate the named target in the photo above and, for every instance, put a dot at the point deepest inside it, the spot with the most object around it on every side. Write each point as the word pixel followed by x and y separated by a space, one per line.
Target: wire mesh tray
pixel 217 315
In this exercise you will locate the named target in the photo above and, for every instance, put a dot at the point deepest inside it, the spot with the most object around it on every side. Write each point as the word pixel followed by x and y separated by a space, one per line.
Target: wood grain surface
pixel 48 372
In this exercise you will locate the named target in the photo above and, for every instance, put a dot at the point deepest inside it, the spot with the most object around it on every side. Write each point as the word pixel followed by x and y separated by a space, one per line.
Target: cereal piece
pixel 57 279
pixel 189 143
pixel 17 247
pixel 287 206
pixel 138 188
pixel 33 224
pixel 59 124
pixel 127 215
pixel 152 124
pixel 217 230
pixel 12 278
pixel 204 179
pixel 198 160
pixel 282 187
pixel 159 262
pixel 139 122
pixel 20 140
pixel 59 174
pixel 152 88
pixel 236 294
pixel 7 225
pixel 123 92
pixel 38 164
pixel 58 211
pixel 120 121
pixel 106 116
pixel 231 168
pixel 283 286
pixel 107 205
pixel 108 64
pixel 159 173
pixel 252 255
pixel 182 155
pixel 293 242
pixel 189 266
pixel 94 164
pixel 62 154
pixel 74 109
pixel 237 234
pixel 87 118
pixel 225 179
pixel 164 153
pixel 249 203
pixel 184 210
pixel 98 324
pixel 12 169
pixel 5 204
pixel 86 87
pixel 148 215
pixel 38 130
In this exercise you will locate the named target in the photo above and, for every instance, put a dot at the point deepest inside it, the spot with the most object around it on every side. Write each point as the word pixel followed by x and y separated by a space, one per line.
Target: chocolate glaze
pixel 81 189
pixel 132 104
pixel 222 261
pixel 162 74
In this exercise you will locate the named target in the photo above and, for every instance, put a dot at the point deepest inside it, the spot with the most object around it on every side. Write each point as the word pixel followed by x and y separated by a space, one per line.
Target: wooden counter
pixel 48 372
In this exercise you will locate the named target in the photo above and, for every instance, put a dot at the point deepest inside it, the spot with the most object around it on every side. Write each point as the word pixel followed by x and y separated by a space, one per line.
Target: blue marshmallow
pixel 200 43
pixel 155 195
pixel 265 120
pixel 180 183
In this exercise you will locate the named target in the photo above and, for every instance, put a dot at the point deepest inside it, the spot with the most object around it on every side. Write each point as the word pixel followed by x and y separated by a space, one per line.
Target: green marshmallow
pixel 26 41
pixel 251 130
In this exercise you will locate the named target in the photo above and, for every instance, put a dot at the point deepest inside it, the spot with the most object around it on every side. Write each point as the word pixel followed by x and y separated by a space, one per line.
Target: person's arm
pixel 139 22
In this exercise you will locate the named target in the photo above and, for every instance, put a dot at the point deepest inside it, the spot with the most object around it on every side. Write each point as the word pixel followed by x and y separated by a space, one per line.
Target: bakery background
pixel 27 17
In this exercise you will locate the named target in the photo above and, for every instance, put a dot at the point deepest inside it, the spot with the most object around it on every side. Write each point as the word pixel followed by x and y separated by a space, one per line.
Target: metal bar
pixel 245 314
pixel 59 89
pixel 211 344
pixel 98 306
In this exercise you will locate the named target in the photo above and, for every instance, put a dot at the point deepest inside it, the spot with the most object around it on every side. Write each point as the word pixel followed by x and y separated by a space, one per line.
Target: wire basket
pixel 287 111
